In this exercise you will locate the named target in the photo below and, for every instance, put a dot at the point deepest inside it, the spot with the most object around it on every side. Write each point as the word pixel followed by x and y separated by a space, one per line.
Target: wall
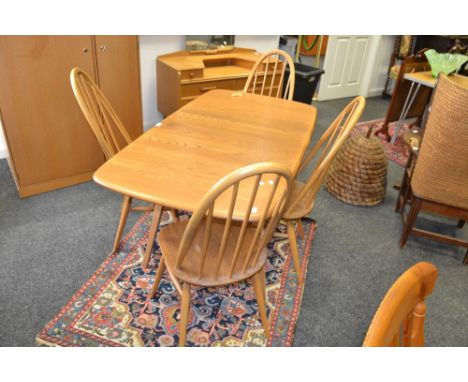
pixel 259 43
pixel 150 48
pixel 3 152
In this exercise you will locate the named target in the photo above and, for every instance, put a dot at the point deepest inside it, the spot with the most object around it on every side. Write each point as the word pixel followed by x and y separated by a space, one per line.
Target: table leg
pixel 406 108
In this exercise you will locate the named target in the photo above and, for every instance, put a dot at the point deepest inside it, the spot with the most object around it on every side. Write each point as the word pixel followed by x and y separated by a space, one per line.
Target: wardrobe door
pixel 49 140
pixel 118 66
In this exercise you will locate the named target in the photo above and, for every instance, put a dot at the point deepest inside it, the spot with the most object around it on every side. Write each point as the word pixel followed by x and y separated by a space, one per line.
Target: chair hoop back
pixel 106 125
pixel 267 75
pixel 260 178
pixel 399 320
pixel 327 147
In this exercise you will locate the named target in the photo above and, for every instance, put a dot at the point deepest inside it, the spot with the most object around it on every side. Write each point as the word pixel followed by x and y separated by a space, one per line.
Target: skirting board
pixel 149 125
pixel 375 92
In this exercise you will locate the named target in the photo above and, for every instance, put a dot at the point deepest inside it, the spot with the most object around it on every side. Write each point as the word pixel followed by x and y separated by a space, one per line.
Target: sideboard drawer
pixel 197 89
pixel 183 76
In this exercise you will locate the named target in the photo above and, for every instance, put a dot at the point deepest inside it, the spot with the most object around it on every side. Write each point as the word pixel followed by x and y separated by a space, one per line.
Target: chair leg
pixel 404 190
pixel 258 281
pixel 408 224
pixel 402 197
pixel 465 260
pixel 175 215
pixel 384 130
pixel 184 314
pixel 294 253
pixel 157 279
pixel 157 213
pixel 126 203
pixel 300 229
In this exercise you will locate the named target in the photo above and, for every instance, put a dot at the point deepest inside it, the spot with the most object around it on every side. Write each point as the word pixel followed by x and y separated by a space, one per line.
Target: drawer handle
pixel 207 88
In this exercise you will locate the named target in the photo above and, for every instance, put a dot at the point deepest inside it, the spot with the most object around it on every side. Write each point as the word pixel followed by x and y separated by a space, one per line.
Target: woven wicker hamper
pixel 358 175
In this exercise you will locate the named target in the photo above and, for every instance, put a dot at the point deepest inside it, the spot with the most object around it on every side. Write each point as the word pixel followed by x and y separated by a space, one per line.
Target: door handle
pixel 103 48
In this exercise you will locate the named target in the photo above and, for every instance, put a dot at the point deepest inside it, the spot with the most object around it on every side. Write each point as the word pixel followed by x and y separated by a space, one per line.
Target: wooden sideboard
pixel 50 144
pixel 183 76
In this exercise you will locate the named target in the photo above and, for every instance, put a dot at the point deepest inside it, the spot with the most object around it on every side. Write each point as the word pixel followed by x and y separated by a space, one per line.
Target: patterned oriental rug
pixel 112 308
pixel 397 152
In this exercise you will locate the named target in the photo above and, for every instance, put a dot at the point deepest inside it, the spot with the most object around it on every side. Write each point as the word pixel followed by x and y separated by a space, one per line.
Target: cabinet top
pixel 185 60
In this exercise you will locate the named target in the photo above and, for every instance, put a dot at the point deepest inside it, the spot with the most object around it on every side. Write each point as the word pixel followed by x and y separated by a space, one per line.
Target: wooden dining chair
pixel 436 179
pixel 112 137
pixel 268 74
pixel 212 251
pixel 399 320
pixel 322 154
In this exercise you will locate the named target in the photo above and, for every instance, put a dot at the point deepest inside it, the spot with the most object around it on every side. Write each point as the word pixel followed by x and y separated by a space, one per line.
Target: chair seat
pixel 303 208
pixel 171 236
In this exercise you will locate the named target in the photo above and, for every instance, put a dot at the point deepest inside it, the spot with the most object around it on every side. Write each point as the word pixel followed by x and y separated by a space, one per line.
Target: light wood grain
pixel 403 307
pixel 209 251
pixel 268 74
pixel 106 125
pixel 182 74
pixel 112 136
pixel 117 57
pixel 322 154
pixel 423 78
pixel 176 163
pixel 206 251
pixel 48 138
pixel 49 143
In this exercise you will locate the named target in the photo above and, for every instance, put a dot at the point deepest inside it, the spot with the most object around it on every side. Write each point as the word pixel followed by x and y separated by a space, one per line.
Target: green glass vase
pixel 446 63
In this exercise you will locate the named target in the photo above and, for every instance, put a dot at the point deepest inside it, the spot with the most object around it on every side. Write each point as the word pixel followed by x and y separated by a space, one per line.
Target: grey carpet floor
pixel 51 244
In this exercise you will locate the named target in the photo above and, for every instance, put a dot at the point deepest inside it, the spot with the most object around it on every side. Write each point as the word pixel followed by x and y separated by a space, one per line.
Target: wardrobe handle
pixel 103 48
pixel 85 50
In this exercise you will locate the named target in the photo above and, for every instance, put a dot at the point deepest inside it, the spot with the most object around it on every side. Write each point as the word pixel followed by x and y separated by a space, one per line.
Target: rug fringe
pixel 41 342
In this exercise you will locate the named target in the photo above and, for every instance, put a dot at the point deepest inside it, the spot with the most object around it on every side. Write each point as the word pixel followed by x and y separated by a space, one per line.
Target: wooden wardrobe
pixel 50 144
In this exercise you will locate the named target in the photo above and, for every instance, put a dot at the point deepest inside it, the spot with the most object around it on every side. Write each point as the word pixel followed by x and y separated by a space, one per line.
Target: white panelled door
pixel 345 65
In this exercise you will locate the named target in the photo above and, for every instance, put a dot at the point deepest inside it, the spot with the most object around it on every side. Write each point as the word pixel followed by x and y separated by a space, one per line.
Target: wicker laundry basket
pixel 358 175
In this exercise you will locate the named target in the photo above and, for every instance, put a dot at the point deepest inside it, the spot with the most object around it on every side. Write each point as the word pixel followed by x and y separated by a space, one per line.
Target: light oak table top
pixel 176 162
pixel 423 78
pixel 426 78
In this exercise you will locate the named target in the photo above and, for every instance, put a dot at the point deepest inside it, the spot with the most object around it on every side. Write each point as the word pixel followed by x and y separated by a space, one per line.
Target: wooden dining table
pixel 176 162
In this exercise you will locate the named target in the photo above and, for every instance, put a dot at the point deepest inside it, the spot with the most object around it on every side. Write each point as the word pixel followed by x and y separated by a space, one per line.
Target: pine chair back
pixel 399 320
pixel 235 242
pixel 106 125
pixel 323 154
pixel 267 75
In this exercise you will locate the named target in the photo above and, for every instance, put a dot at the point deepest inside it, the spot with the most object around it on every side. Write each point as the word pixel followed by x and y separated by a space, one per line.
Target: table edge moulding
pixel 176 162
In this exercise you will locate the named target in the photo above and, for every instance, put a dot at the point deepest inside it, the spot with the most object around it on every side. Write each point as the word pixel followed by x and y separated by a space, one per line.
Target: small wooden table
pixel 175 163
pixel 419 79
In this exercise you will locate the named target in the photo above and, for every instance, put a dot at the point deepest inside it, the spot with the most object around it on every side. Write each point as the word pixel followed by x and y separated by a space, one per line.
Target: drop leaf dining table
pixel 176 162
